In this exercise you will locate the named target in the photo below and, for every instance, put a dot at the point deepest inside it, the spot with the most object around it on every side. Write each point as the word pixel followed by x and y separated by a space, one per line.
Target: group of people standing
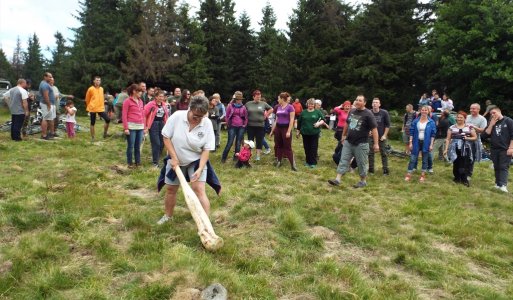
pixel 48 99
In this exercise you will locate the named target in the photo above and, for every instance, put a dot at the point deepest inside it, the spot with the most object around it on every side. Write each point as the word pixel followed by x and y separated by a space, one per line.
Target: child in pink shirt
pixel 245 154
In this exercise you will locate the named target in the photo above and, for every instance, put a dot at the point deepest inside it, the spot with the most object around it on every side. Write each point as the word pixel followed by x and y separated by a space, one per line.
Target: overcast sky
pixel 23 18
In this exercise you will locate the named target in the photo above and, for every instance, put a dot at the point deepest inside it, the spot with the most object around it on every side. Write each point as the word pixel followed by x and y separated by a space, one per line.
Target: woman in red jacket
pixel 133 124
pixel 156 113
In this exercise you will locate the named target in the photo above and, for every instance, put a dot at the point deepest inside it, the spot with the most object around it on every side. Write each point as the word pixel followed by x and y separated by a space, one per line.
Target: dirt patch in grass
pixel 298 297
pixel 143 193
pixel 187 294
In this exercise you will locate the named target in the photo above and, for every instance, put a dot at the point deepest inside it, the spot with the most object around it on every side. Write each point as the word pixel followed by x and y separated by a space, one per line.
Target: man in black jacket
pixel 500 131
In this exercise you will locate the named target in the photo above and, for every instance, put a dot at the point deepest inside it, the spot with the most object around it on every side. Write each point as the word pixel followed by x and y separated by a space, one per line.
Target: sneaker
pixel 156 166
pixel 360 184
pixel 313 166
pixel 430 171
pixel 257 158
pixel 223 160
pixel 277 163
pixel 163 220
pixel 267 151
pixel 407 177
pixel 503 188
pixel 48 137
pixel 386 172
pixel 496 186
pixel 371 171
pixel 334 182
pixel 422 178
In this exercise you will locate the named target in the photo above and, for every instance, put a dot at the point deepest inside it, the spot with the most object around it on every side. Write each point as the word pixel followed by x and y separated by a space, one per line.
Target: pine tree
pixel 193 73
pixel 34 61
pixel 384 45
pixel 6 70
pixel 17 60
pixel 272 67
pixel 317 32
pixel 101 42
pixel 60 63
pixel 217 25
pixel 153 52
pixel 469 51
pixel 244 55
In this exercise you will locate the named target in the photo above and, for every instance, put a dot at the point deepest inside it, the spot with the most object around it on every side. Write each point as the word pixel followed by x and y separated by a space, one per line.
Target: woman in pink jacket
pixel 133 124
pixel 155 113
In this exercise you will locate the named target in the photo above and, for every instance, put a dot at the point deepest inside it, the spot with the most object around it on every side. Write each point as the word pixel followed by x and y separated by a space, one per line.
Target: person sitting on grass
pixel 244 155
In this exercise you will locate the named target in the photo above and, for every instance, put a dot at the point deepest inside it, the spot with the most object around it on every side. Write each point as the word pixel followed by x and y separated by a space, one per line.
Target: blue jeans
pixel 236 133
pixel 157 140
pixel 133 141
pixel 414 159
pixel 265 144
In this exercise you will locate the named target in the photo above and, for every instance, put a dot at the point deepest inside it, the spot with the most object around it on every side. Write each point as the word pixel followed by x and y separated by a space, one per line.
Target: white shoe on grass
pixel 163 220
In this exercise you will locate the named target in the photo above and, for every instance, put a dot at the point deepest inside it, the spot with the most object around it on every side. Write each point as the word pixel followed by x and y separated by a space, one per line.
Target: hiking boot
pixel 334 182
pixel 163 220
pixel 360 184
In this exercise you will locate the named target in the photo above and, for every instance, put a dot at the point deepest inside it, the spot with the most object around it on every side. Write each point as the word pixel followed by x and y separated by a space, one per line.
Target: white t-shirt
pixel 189 144
pixel 71 118
pixel 422 129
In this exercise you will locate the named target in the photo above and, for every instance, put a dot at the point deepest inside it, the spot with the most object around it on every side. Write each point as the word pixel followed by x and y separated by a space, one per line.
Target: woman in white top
pixel 188 138
pixel 422 137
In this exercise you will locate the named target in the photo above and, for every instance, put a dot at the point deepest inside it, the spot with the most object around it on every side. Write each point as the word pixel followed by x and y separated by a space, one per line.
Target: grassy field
pixel 76 224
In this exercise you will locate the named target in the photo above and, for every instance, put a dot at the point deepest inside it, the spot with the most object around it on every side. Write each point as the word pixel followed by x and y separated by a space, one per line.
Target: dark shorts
pixel 103 115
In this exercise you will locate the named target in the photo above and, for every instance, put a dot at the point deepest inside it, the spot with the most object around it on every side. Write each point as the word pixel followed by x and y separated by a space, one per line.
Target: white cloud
pixel 23 18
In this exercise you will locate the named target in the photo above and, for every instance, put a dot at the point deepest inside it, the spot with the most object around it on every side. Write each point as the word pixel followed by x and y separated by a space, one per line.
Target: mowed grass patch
pixel 76 223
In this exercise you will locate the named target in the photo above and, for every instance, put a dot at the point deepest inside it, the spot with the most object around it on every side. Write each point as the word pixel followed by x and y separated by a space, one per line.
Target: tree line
pixel 392 49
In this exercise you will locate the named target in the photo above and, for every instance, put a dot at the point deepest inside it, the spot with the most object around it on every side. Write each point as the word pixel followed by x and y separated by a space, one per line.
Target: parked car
pixel 5 86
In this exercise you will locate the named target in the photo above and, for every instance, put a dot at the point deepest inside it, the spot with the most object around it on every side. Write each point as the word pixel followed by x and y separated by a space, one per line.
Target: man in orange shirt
pixel 95 104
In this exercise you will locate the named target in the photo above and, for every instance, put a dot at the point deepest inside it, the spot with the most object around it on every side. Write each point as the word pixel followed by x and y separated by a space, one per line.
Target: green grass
pixel 75 224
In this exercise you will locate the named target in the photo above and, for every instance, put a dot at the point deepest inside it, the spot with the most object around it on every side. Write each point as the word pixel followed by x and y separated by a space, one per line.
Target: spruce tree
pixel 272 68
pixel 193 73
pixel 17 60
pixel 34 62
pixel 6 70
pixel 384 44
pixel 469 51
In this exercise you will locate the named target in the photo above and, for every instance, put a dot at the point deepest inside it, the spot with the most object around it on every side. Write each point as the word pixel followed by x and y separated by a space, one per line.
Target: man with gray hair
pixel 19 108
pixel 479 124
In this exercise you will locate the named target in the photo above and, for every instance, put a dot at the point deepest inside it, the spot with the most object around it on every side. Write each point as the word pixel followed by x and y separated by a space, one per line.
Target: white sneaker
pixel 267 151
pixel 163 220
pixel 503 188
